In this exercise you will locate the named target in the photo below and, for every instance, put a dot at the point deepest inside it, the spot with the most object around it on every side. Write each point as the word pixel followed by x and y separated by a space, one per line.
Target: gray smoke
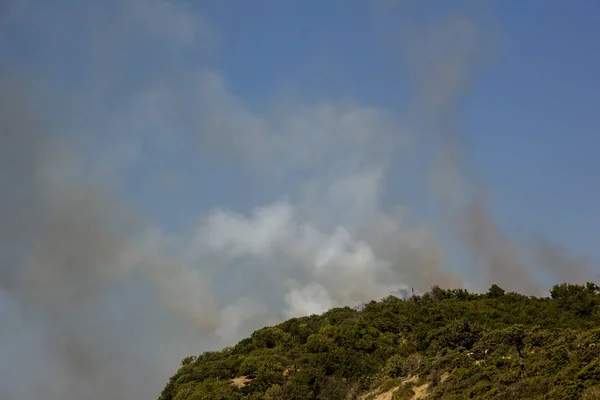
pixel 444 56
pixel 102 301
pixel 68 247
pixel 563 264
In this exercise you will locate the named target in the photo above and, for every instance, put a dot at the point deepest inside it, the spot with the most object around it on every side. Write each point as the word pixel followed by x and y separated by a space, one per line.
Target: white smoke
pixel 110 298
pixel 105 298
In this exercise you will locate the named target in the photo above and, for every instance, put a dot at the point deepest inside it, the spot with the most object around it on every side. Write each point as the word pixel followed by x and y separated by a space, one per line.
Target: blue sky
pixel 530 118
pixel 212 167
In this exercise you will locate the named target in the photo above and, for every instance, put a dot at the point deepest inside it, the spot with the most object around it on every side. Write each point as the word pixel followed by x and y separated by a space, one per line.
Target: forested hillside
pixel 445 344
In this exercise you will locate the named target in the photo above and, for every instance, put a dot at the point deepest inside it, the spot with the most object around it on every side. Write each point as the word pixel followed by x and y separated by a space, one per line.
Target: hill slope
pixel 446 344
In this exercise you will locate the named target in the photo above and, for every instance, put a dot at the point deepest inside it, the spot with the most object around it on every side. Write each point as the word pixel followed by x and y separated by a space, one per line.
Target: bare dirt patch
pixel 241 381
pixel 420 391
pixel 444 377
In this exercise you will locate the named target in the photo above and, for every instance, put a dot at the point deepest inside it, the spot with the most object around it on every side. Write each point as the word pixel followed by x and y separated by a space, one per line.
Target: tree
pixel 515 336
pixel 582 300
pixel 343 352
pixel 459 334
pixel 188 360
pixel 333 389
pixel 495 291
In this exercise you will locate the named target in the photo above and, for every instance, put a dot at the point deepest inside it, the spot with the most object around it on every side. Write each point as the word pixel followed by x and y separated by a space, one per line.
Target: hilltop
pixel 445 344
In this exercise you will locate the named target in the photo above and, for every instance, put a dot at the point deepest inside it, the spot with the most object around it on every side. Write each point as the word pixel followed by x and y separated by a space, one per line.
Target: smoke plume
pixel 445 56
pixel 147 213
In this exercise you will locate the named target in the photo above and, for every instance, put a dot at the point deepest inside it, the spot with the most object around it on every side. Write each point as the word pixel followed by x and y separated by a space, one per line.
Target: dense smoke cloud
pixel 102 299
pixel 94 289
pixel 67 244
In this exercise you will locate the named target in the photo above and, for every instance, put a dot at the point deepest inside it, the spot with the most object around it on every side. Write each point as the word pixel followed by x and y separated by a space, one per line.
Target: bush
pixel 403 393
pixel 592 393
pixel 497 345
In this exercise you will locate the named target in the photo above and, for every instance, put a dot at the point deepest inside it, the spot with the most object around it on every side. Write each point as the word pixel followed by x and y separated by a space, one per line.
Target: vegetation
pixel 451 343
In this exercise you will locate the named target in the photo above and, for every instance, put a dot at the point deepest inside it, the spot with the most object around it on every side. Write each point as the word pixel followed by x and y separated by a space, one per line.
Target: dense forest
pixel 445 344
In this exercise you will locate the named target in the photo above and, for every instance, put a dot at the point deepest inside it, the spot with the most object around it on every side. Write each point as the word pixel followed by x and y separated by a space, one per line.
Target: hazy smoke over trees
pixel 102 301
